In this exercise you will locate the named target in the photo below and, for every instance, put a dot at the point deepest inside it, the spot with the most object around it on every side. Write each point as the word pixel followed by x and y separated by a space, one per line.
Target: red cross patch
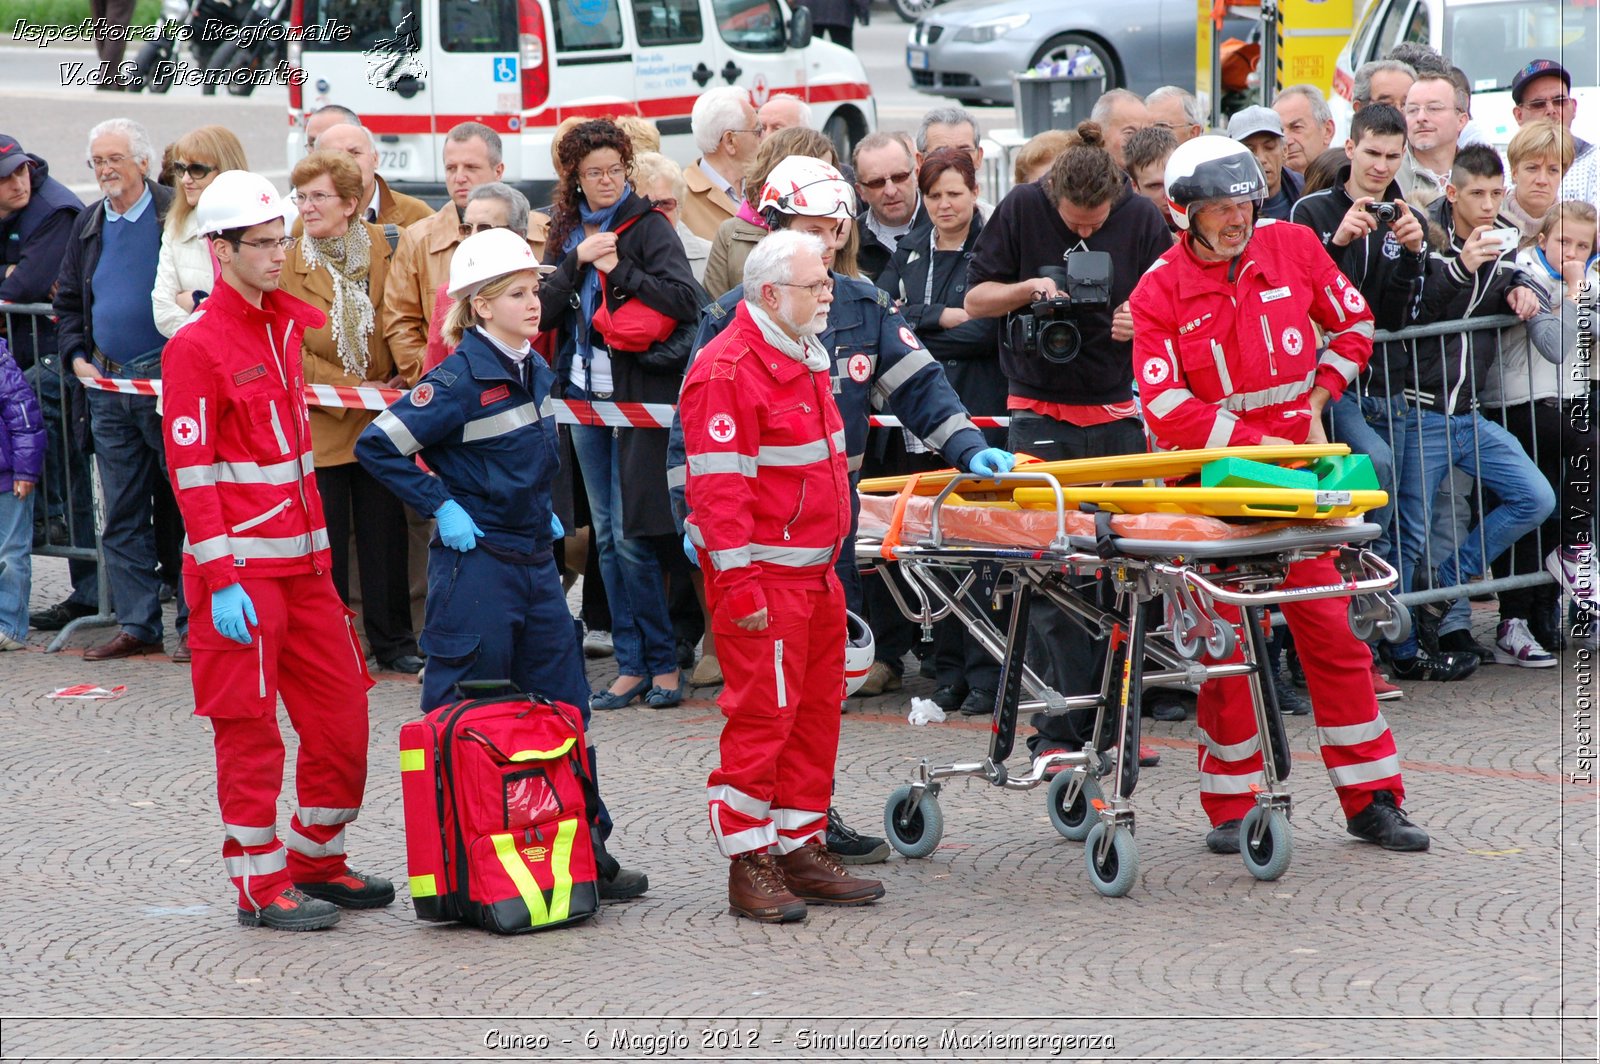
pixel 721 427
pixel 266 200
pixel 185 431
pixel 860 368
pixel 422 394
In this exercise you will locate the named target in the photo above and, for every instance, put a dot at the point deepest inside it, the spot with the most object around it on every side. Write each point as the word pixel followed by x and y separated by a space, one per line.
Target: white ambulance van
pixel 412 69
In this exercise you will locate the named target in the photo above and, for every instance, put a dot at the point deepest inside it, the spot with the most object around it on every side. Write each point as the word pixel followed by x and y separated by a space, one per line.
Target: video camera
pixel 1049 327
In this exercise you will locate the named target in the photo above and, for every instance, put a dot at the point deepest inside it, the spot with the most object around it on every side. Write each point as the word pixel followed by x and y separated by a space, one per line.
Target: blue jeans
pixel 1374 425
pixel 641 629
pixel 67 478
pixel 16 563
pixel 1435 443
pixel 128 444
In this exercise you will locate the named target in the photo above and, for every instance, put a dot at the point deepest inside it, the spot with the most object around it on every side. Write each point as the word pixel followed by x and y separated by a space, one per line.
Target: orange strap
pixel 891 538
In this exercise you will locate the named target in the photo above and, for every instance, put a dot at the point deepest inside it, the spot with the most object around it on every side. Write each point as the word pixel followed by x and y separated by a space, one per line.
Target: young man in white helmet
pixel 266 618
pixel 1226 355
pixel 875 361
pixel 482 420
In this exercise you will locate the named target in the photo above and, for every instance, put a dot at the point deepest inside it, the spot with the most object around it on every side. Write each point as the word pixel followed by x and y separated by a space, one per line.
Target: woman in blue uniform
pixel 482 420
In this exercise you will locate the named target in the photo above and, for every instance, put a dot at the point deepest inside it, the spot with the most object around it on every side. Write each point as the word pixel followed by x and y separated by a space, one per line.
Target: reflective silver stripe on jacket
pixel 721 462
pixel 1221 429
pixel 499 424
pixel 209 550
pixel 1340 365
pixel 892 378
pixel 279 473
pixel 946 429
pixel 265 549
pixel 1280 393
pixel 798 454
pixel 398 434
pixel 677 476
pixel 790 557
pixel 1168 401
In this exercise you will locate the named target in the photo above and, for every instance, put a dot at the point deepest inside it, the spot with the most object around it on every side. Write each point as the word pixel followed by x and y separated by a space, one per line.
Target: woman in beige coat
pixel 339 266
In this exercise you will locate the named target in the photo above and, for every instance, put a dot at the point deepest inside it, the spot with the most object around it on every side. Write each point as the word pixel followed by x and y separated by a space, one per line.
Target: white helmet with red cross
pixel 237 199
pixel 858 650
pixel 1211 168
pixel 806 186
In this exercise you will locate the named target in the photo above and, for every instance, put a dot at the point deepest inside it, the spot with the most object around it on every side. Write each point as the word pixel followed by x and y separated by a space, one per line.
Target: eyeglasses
pixel 666 204
pixel 816 288
pixel 284 242
pixel 195 171
pixel 466 229
pixel 1553 103
pixel 316 199
pixel 97 162
pixel 614 174
pixel 876 183
pixel 1432 110
pixel 753 129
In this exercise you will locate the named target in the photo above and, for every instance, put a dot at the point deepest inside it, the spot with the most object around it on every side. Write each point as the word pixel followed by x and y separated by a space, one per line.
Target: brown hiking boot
pixel 756 890
pixel 817 876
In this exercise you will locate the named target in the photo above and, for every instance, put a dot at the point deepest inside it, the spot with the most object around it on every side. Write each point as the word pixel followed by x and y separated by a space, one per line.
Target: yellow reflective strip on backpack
pixel 561 869
pixel 424 887
pixel 505 847
pixel 413 760
pixel 543 755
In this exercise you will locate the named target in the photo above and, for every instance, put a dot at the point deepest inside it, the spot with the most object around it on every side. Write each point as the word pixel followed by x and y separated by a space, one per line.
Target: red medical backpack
pixel 498 796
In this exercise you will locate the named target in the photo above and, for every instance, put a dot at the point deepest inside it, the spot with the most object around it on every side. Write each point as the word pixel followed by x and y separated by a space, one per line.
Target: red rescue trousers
pixel 782 700
pixel 305 648
pixel 1357 747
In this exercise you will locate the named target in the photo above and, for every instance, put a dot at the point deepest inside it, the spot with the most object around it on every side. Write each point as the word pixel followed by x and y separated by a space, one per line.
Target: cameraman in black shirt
pixel 1078 407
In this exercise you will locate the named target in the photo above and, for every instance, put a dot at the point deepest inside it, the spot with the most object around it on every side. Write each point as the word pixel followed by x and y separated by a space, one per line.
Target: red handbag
pixel 633 325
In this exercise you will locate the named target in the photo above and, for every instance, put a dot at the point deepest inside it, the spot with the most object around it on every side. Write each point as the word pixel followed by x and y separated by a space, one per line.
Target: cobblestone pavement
pixel 119 942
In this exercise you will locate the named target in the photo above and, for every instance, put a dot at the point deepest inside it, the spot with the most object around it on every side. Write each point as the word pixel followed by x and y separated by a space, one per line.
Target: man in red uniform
pixel 769 490
pixel 255 568
pixel 1225 354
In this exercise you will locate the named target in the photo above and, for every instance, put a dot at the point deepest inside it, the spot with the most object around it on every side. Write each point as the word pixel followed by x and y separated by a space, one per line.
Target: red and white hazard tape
pixel 567 411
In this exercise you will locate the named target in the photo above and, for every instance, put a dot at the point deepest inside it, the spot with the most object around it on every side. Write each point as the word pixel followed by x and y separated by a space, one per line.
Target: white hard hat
pixel 810 187
pixel 1210 168
pixel 237 199
pixel 857 652
pixel 484 256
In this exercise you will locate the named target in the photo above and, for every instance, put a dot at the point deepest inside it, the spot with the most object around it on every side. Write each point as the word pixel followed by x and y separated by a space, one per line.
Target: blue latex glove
pixel 556 528
pixel 456 529
pixel 992 461
pixel 230 609
pixel 688 549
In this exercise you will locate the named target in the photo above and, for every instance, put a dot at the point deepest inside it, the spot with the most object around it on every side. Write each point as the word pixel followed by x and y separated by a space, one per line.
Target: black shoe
pixel 627 883
pixel 927 667
pixel 1290 701
pixel 1224 838
pixel 1441 667
pixel 978 703
pixel 1167 704
pixel 851 846
pixel 1461 642
pixel 948 697
pixel 409 664
pixel 58 616
pixel 292 911
pixel 1426 618
pixel 685 654
pixel 1383 823
pixel 351 890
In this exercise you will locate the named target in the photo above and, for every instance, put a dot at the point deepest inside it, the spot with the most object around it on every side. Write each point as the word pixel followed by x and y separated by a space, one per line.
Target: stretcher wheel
pixel 1362 622
pixel 1222 641
pixel 1114 877
pixel 1189 646
pixel 1396 626
pixel 1270 858
pixel 914 832
pixel 1073 821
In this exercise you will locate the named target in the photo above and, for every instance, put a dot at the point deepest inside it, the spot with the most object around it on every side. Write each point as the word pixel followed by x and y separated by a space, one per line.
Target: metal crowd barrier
pixel 1459 503
pixel 67 503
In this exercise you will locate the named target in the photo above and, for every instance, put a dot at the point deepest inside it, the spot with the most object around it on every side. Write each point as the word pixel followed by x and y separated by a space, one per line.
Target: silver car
pixel 969 49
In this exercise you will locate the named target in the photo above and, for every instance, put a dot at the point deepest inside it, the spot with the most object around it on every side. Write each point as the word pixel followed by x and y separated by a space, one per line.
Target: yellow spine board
pixel 1277 503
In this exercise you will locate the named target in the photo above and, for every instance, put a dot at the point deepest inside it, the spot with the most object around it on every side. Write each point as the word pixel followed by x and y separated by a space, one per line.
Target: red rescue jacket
pixel 238 440
pixel 1224 352
pixel 767 484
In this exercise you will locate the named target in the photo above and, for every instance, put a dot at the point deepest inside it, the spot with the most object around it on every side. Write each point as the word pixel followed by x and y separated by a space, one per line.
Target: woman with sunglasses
pixel 611 247
pixel 186 270
pixel 339 266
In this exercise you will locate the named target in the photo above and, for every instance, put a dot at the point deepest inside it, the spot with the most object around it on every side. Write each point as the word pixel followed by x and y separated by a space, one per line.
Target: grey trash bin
pixel 1054 102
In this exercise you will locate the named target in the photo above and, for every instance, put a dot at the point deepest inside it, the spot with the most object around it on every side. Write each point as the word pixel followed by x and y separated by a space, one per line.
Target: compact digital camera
pixel 1383 212
pixel 1049 327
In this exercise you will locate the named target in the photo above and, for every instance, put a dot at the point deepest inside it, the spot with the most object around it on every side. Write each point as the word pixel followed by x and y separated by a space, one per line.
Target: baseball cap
pixel 1252 120
pixel 1539 68
pixel 11 155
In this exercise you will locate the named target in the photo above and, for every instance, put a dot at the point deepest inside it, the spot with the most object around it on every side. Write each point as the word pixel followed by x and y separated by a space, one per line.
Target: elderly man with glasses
pixel 108 329
pixel 728 134
pixel 1543 90
pixel 886 177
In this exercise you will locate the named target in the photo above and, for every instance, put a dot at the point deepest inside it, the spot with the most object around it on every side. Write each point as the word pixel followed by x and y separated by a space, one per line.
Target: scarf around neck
pixel 589 287
pixel 807 350
pixel 348 260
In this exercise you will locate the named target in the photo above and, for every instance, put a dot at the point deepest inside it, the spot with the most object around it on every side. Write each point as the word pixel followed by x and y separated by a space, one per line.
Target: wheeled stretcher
pixel 954 554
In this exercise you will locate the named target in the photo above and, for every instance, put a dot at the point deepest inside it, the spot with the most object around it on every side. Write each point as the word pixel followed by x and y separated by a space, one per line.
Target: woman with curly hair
pixel 611 247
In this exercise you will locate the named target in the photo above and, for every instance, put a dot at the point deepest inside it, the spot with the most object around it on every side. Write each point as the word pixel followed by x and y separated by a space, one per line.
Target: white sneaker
pixel 597 645
pixel 7 643
pixel 1574 571
pixel 1515 645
